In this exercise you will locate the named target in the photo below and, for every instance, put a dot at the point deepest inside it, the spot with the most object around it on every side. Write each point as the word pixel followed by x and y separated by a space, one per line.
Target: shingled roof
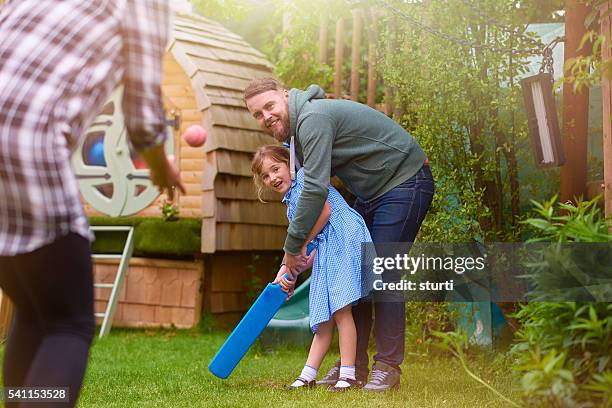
pixel 220 64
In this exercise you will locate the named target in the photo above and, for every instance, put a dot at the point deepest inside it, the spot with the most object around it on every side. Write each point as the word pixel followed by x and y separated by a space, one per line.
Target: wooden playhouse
pixel 206 70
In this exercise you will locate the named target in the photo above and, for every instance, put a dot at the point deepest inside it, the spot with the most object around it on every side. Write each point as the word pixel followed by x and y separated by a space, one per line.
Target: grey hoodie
pixel 368 151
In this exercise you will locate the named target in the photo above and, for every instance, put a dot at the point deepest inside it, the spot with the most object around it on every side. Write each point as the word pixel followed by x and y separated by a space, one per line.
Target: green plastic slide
pixel 291 324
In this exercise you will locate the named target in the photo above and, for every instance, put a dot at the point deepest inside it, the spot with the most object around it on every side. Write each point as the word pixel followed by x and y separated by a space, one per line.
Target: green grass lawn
pixel 168 369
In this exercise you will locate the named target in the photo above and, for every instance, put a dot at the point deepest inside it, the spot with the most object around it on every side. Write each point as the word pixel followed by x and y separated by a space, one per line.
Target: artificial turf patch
pixel 152 236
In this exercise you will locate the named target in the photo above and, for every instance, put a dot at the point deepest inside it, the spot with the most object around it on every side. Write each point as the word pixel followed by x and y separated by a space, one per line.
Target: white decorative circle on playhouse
pixel 113 179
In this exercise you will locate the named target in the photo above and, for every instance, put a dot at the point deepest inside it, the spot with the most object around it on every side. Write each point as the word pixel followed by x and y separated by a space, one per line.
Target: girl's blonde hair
pixel 276 153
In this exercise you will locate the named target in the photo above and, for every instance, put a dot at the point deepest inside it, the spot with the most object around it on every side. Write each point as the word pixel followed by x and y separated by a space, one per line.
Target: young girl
pixel 336 280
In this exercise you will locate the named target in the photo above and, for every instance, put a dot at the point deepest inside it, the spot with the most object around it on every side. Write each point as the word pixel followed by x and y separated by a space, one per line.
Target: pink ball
pixel 195 135
pixel 139 163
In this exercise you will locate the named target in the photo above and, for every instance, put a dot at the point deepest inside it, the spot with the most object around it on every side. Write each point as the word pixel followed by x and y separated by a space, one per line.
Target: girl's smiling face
pixel 275 175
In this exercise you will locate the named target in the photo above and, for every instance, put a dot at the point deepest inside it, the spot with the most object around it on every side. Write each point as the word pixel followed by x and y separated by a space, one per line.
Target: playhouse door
pixel 112 178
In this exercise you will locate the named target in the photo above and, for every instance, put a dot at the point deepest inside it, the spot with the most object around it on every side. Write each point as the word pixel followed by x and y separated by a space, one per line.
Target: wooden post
pixel 606 26
pixel 323 40
pixel 372 56
pixel 339 58
pixel 286 25
pixel 356 53
pixel 398 108
pixel 6 315
pixel 388 100
pixel 575 109
pixel 391 42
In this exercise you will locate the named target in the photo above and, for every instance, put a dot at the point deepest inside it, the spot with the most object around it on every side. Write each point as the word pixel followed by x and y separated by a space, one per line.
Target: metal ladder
pixel 115 287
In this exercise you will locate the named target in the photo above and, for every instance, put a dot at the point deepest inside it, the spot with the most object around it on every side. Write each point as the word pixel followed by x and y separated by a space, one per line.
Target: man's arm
pixel 146 30
pixel 317 133
pixel 164 173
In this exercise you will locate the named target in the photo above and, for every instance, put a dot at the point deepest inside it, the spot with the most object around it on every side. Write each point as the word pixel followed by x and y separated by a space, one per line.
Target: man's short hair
pixel 261 85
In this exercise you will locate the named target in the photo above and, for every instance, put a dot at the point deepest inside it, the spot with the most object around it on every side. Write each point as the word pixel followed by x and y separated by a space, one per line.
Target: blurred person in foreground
pixel 59 62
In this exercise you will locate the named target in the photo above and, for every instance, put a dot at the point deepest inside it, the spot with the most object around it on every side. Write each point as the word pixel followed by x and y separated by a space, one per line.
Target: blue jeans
pixel 396 216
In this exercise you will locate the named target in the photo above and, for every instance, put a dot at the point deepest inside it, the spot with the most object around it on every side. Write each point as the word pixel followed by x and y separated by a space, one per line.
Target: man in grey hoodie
pixel 381 164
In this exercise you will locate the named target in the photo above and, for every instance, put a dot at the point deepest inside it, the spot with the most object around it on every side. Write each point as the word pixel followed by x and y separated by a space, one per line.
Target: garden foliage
pixel 564 348
pixel 453 83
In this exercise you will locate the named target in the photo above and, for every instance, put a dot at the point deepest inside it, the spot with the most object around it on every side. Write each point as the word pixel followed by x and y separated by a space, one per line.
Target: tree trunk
pixel 492 195
pixel 488 223
pixel 510 153
pixel 515 193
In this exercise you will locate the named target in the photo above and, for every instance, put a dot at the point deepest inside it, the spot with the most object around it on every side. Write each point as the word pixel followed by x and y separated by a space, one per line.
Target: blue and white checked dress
pixel 336 271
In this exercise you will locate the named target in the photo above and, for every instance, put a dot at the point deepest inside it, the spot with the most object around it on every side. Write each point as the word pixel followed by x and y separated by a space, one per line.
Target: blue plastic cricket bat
pixel 249 328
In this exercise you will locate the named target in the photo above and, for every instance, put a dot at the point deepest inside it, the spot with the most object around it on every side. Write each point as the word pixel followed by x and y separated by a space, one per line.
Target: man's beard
pixel 282 135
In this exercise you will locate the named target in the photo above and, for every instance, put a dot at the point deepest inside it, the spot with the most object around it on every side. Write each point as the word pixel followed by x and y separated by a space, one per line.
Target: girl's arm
pixel 319 225
pixel 289 285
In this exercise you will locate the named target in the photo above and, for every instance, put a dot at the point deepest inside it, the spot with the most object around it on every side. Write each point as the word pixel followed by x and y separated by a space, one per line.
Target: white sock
pixel 342 384
pixel 347 372
pixel 309 373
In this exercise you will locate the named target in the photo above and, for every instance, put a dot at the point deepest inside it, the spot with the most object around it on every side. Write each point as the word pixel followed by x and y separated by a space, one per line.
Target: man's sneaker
pixel 333 374
pixel 384 377
pixel 301 384
pixel 331 377
pixel 345 384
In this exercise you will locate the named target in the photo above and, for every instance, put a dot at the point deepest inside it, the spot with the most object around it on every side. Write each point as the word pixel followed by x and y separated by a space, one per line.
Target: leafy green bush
pixel 574 264
pixel 564 351
pixel 464 109
pixel 295 50
pixel 563 348
pixel 422 320
pixel 582 222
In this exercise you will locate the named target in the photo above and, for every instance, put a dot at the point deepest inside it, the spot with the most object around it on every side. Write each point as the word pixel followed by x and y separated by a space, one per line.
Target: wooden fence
pixel 364 25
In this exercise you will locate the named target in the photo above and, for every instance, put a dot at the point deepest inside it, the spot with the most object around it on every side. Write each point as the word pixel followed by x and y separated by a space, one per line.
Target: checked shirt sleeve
pixel 146 29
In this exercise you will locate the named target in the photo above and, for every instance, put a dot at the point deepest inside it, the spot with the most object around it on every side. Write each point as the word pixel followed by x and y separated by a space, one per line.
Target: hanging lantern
pixel 542 119
pixel 542 111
